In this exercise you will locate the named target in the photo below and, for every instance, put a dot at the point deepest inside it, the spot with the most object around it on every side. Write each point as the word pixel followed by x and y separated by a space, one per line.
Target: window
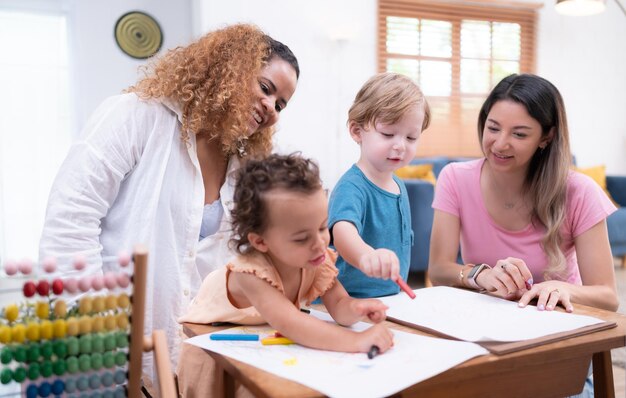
pixel 456 53
pixel 35 128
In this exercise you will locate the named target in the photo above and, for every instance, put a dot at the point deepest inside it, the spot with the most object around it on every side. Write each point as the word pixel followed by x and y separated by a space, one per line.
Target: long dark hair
pixel 546 180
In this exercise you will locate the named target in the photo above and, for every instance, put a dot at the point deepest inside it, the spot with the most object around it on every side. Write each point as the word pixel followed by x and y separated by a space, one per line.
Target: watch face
pixel 476 269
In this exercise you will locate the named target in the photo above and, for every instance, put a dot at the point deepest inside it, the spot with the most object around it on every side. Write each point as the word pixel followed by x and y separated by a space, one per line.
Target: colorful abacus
pixel 89 350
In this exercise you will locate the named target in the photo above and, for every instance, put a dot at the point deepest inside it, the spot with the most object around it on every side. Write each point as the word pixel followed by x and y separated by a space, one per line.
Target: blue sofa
pixel 421 195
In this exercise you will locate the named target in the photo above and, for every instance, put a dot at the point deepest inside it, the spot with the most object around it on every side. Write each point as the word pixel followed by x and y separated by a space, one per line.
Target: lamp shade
pixel 579 7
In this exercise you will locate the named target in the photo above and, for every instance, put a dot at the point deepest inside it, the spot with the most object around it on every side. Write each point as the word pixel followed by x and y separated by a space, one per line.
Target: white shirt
pixel 130 180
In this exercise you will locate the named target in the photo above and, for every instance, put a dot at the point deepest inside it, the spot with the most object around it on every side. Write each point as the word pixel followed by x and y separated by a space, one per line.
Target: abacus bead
pixel 60 308
pixel 57 286
pixel 85 344
pixel 107 379
pixel 46 368
pixel 120 392
pixel 20 353
pixel 110 322
pixel 19 374
pixel 97 282
pixel 59 328
pixel 10 268
pixel 96 394
pixel 98 304
pixel 123 280
pixel 29 289
pixel 72 365
pixel 111 302
pixel 123 301
pixel 72 326
pixel 109 342
pixel 82 383
pixel 94 381
pixel 49 264
pixel 18 333
pixel 42 310
pixel 119 377
pixel 79 262
pixel 84 362
pixel 73 346
pixel 59 367
pixel 120 358
pixel 11 312
pixel 6 376
pixel 6 356
pixel 84 283
pixel 5 334
pixel 25 266
pixel 123 258
pixel 85 305
pixel 97 343
pixel 58 387
pixel 31 391
pixel 70 385
pixel 70 285
pixel 108 359
pixel 122 320
pixel 45 330
pixel 46 350
pixel 96 361
pixel 32 331
pixel 33 371
pixel 44 389
pixel 33 354
pixel 121 339
pixel 59 348
pixel 108 394
pixel 109 280
pixel 43 287
pixel 98 323
pixel 85 324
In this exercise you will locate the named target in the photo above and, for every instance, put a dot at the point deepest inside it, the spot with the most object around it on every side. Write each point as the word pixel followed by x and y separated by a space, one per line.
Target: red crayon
pixel 405 287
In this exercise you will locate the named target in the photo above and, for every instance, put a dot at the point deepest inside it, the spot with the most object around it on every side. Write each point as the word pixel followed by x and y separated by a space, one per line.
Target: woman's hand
pixel 509 278
pixel 371 309
pixel 549 294
pixel 378 335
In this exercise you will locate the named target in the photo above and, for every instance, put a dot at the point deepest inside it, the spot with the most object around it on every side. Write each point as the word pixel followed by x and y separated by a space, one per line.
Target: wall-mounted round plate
pixel 138 34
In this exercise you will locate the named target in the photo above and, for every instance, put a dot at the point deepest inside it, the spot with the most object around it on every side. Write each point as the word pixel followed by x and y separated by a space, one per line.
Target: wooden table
pixel 552 370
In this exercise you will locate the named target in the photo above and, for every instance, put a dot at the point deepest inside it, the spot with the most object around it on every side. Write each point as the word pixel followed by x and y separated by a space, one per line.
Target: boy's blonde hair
pixel 385 98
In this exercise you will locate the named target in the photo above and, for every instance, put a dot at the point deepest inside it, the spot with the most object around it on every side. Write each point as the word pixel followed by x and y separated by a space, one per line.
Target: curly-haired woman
pixel 154 164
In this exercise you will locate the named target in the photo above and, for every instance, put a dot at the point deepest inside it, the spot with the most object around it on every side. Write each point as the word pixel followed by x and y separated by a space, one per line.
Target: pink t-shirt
pixel 483 241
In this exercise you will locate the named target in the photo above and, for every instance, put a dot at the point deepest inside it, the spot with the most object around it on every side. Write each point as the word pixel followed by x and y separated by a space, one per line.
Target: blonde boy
pixel 369 212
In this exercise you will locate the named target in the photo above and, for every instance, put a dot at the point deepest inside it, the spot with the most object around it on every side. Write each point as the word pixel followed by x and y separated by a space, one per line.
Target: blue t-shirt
pixel 383 220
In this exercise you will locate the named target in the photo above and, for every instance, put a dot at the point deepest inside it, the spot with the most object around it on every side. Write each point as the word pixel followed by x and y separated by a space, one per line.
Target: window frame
pixel 524 14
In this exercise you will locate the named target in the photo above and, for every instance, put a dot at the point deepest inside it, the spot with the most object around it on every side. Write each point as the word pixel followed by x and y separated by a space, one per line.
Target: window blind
pixel 456 53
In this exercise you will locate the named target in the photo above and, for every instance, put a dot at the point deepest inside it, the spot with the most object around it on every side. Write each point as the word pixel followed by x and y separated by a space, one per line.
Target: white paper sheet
pixel 412 359
pixel 470 316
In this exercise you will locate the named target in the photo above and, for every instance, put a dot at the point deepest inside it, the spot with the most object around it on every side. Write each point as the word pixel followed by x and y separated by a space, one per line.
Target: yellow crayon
pixel 276 341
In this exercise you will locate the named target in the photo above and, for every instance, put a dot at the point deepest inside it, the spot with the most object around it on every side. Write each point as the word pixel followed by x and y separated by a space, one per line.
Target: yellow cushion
pixel 417 171
pixel 598 174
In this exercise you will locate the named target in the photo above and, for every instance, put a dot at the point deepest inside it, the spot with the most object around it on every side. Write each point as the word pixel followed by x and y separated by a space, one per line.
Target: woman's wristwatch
pixel 473 274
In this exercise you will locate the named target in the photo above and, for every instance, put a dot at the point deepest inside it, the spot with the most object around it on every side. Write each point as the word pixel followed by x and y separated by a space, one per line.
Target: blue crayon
pixel 235 337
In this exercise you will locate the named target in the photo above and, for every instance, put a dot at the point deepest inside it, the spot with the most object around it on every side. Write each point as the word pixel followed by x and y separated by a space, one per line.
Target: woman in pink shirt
pixel 528 226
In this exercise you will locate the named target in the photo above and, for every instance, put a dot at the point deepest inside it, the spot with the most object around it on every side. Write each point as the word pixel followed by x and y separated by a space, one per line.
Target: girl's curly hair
pixel 258 177
pixel 212 79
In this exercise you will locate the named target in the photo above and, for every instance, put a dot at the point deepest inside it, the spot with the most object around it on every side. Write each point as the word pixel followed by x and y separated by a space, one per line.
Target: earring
pixel 241 146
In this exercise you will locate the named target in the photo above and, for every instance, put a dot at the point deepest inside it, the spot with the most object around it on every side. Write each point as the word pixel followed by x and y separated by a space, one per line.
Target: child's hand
pixel 380 263
pixel 373 309
pixel 378 335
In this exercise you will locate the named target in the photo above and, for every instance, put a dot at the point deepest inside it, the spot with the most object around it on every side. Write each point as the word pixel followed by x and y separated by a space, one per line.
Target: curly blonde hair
pixel 212 79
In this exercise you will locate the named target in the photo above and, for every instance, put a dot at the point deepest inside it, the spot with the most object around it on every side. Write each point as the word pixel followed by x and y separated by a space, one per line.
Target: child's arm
pixel 377 263
pixel 346 310
pixel 304 329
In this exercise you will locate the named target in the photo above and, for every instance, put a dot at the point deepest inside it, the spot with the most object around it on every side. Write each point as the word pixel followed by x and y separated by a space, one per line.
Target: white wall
pixel 583 56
